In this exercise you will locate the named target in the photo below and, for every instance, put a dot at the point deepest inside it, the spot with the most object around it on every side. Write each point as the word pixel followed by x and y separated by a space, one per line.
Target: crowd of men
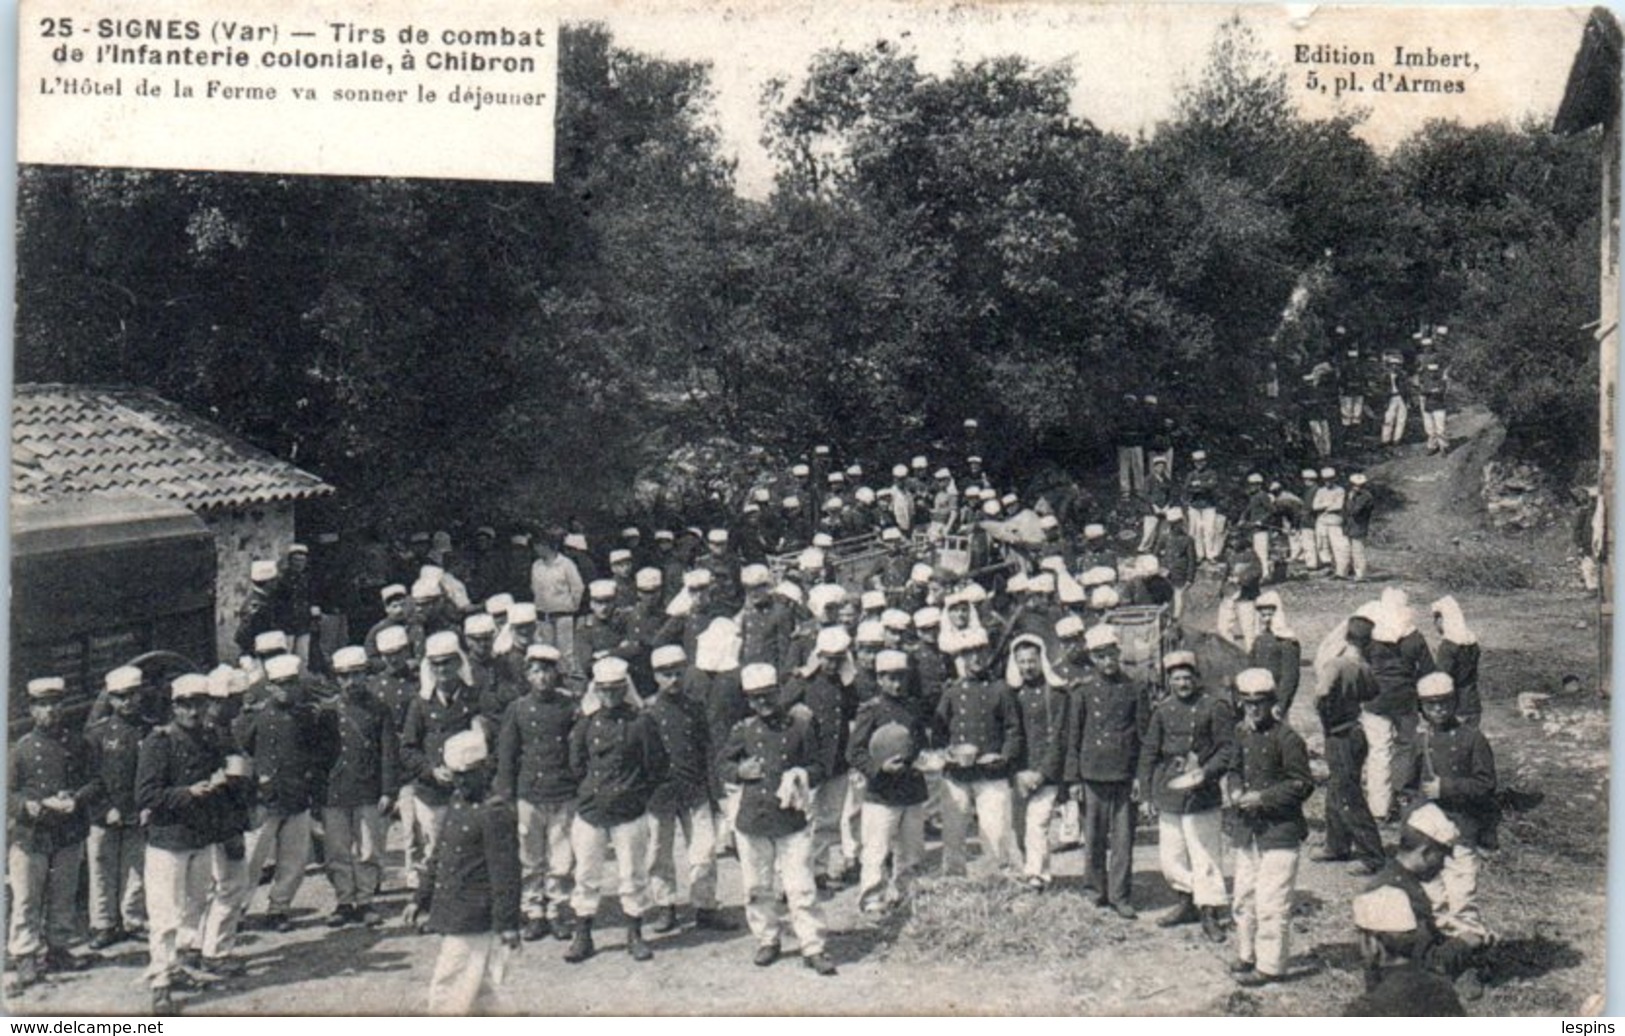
pixel 545 743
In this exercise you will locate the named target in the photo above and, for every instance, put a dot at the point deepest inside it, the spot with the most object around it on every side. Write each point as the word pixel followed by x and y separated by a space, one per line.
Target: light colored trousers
pixel 545 857
pixel 560 632
pixel 993 802
pixel 1130 469
pixel 1454 895
pixel 354 844
pixel 116 895
pixel 1357 556
pixel 1204 522
pixel 1351 409
pixel 591 845
pixel 1320 432
pixel 1330 532
pixel 428 821
pixel 1433 424
pixel 1149 526
pixel 1380 736
pixel 1308 549
pixel 830 840
pixel 1237 621
pixel 1261 548
pixel 44 892
pixel 1035 813
pixel 1190 847
pixel 790 856
pixel 1393 420
pixel 698 824
pixel 900 831
pixel 168 875
pixel 468 975
pixel 285 838
pixel 217 894
pixel 1263 906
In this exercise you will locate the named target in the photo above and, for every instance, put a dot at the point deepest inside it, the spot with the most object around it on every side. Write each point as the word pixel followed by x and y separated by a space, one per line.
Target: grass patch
pixel 988 919
pixel 1479 569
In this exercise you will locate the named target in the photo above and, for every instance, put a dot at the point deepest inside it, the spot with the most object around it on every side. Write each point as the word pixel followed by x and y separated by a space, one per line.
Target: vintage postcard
pixel 1021 508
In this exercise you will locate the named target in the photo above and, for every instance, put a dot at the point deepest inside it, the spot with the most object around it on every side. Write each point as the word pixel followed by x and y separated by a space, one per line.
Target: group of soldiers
pixel 539 752
pixel 1350 390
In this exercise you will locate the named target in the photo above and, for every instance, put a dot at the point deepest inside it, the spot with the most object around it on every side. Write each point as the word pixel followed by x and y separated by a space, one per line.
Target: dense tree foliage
pixel 937 247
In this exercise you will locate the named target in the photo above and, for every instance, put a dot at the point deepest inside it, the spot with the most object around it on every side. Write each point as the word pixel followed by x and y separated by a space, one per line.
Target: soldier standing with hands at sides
pixel 118 908
pixel 1272 781
pixel 773 757
pixel 471 891
pixel 1103 751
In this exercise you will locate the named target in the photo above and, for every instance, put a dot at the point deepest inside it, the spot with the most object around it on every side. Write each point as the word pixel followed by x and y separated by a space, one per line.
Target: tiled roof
pixel 69 440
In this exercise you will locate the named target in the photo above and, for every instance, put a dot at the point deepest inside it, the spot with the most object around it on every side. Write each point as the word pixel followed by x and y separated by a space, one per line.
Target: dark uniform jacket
pixel 1202 488
pixel 833 705
pixel 597 638
pixel 985 714
pixel 115 745
pixel 1203 727
pixel 1429 946
pixel 617 757
pixel 39 766
pixel 366 764
pixel 1109 718
pixel 290 748
pixel 473 877
pixel 172 760
pixel 764 632
pixel 1460 757
pixel 395 694
pixel 932 672
pixel 1396 668
pixel 725 706
pixel 1349 686
pixel 1274 762
pixel 685 734
pixel 533 749
pixel 1282 656
pixel 1256 512
pixel 1044 724
pixel 1177 553
pixel 907 787
pixel 429 723
pixel 1357 509
pixel 1461 662
pixel 782 744
pixel 1407 991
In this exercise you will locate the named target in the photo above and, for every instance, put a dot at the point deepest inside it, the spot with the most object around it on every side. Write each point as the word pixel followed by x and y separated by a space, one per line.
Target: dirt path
pixel 1544 890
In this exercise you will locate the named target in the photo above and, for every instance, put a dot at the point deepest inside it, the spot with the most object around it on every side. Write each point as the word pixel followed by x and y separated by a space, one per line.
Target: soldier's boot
pixel 634 941
pixel 1212 925
pixel 665 920
pixel 581 944
pixel 1184 912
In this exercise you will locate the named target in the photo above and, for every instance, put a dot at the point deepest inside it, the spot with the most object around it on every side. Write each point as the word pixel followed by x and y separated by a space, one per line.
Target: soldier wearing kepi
pixel 1103 751
pixel 685 800
pixel 181 783
pixel 887 737
pixel 1271 782
pixel 773 757
pixel 827 691
pixel 980 722
pixel 619 761
pixel 362 779
pixel 471 894
pixel 118 908
pixel 444 706
pixel 1044 701
pixel 1398 985
pixel 1455 768
pixel 52 782
pixel 1188 749
pixel 533 772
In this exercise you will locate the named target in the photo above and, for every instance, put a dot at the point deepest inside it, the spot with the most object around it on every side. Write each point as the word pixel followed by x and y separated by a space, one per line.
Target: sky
pixel 1129 62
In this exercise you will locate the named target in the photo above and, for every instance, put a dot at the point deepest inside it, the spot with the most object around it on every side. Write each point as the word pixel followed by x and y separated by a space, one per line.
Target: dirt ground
pixel 1544 890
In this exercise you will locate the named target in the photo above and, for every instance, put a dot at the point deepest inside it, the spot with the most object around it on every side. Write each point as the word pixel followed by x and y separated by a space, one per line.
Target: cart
pixel 1146 634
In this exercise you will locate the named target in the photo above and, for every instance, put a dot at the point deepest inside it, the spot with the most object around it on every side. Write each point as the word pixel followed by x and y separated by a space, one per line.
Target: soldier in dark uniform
pixel 1357 510
pixel 765 623
pixel 895 792
pixel 643 622
pixel 828 693
pixel 775 759
pixel 618 761
pixel 1276 648
pixel 449 708
pixel 1191 738
pixel 1109 718
pixel 118 908
pixel 533 772
pixel 980 722
pixel 52 783
pixel 1397 984
pixel 362 779
pixel 1346 684
pixel 1201 501
pixel 265 608
pixel 601 633
pixel 719 560
pixel 397 612
pixel 1045 701
pixel 471 891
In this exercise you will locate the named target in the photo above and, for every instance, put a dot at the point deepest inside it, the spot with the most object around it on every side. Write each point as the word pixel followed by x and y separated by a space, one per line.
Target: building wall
pixel 242 536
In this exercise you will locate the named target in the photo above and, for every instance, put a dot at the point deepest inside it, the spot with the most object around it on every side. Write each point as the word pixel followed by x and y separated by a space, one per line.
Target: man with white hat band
pixel 284 736
pixel 825 689
pixel 1358 506
pixel 1432 387
pixel 1200 499
pixel 362 780
pixel 117 907
pixel 443 706
pixel 685 801
pixel 765 622
pixel 53 783
pixel 774 757
pixel 1275 647
pixel 1272 767
pixel 601 632
pixel 1045 702
pixel 181 783
pixel 1394 383
pixel 1455 769
pixel 618 758
pixel 1328 504
pixel 982 721
pixel 1397 982
pixel 533 772
pixel 471 890
pixel 887 738
pixel 263 610
pixel 1103 747
pixel 1188 749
